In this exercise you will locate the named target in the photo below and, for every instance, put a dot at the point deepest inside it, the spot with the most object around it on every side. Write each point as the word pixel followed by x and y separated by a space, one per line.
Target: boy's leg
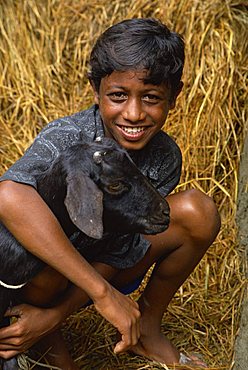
pixel 194 226
pixel 53 344
pixel 46 290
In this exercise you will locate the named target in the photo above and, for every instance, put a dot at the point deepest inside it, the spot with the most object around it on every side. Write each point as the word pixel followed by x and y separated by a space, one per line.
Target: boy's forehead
pixel 131 73
pixel 131 76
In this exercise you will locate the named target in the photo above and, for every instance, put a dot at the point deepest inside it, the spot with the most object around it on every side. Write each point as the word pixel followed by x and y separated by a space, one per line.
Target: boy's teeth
pixel 132 130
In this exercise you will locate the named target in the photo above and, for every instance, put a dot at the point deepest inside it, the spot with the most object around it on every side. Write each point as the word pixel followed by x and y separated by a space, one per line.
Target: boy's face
pixel 132 112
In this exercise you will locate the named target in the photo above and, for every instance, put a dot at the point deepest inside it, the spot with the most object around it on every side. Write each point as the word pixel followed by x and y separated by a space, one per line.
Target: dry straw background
pixel 44 48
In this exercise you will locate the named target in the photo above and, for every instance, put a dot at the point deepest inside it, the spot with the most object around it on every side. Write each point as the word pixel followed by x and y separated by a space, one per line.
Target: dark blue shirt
pixel 159 161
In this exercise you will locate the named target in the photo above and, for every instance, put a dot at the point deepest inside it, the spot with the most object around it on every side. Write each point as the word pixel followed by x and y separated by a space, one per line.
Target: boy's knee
pixel 45 289
pixel 199 215
pixel 199 203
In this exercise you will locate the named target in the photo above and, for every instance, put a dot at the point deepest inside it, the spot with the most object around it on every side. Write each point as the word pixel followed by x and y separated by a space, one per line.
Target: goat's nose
pixel 164 208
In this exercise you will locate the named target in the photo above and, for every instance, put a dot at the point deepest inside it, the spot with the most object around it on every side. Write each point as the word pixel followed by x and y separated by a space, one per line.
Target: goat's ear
pixel 84 205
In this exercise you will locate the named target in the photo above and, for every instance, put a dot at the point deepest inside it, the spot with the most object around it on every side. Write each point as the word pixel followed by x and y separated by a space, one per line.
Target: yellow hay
pixel 44 49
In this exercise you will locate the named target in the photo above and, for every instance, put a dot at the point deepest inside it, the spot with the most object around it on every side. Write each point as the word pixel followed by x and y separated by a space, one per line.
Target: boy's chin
pixel 131 144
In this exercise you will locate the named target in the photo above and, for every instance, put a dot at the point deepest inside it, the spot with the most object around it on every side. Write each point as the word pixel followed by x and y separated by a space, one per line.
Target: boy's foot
pixel 158 348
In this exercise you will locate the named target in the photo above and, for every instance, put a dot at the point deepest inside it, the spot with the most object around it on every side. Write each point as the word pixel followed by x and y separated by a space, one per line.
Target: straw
pixel 44 50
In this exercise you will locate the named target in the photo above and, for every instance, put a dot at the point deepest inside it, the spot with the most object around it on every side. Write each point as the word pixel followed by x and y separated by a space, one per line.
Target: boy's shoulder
pixel 54 138
pixel 160 161
pixel 162 147
pixel 81 121
pixel 160 153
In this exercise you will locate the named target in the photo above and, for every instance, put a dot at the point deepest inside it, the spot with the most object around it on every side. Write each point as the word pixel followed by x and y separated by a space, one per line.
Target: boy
pixel 136 69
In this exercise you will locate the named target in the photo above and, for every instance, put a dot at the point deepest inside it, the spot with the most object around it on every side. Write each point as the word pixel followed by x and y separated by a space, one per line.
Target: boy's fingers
pixel 135 334
pixel 13 311
pixel 123 313
pixel 8 332
pixel 11 343
pixel 128 341
pixel 137 331
pixel 120 347
pixel 8 354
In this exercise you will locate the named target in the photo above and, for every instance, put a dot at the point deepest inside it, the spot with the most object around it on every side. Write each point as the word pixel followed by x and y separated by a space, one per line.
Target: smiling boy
pixel 136 68
pixel 132 112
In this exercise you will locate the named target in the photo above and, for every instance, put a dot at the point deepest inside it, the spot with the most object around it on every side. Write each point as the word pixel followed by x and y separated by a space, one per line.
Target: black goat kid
pixel 94 189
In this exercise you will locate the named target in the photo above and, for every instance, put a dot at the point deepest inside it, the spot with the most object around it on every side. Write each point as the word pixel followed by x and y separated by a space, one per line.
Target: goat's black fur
pixel 111 195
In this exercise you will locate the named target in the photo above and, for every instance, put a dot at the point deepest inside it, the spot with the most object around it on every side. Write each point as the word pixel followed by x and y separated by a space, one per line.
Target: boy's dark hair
pixel 139 43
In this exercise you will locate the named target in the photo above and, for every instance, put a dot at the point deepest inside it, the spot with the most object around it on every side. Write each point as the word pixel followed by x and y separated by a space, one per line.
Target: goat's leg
pixel 5 299
pixel 4 321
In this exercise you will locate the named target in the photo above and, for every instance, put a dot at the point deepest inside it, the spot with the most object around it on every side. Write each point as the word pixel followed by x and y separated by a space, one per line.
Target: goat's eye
pixel 115 187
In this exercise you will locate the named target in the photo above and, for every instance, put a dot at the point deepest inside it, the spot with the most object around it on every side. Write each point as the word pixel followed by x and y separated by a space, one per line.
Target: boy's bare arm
pixel 30 220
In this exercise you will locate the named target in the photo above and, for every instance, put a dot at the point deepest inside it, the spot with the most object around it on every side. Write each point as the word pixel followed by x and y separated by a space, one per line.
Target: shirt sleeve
pixel 56 136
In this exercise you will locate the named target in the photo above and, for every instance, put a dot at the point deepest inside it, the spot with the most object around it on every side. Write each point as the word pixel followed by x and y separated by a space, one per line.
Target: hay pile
pixel 44 48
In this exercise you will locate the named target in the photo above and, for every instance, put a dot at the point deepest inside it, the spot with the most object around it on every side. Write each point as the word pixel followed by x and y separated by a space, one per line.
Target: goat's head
pixel 106 191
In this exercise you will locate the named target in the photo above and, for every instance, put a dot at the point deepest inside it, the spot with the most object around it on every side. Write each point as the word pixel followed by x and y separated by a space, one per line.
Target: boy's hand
pixel 31 325
pixel 122 312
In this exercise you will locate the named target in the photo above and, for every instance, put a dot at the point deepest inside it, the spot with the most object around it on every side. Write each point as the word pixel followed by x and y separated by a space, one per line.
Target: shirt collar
pixel 141 157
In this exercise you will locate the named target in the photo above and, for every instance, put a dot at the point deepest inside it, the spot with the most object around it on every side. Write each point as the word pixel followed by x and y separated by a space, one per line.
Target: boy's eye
pixel 150 98
pixel 118 95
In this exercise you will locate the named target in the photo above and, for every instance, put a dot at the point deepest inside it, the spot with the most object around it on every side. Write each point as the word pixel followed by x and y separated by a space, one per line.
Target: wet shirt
pixel 159 161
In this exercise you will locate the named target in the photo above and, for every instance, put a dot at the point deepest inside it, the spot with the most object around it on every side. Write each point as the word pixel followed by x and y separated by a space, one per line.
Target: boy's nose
pixel 133 111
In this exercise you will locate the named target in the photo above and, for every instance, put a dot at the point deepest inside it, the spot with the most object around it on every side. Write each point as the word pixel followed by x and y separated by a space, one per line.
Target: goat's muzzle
pixel 158 220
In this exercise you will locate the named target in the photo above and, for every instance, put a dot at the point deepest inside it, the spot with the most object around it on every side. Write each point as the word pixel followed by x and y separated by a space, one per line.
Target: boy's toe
pixel 193 360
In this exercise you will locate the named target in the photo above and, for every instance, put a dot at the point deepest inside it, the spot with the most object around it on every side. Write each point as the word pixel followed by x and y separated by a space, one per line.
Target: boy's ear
pixel 174 97
pixel 96 93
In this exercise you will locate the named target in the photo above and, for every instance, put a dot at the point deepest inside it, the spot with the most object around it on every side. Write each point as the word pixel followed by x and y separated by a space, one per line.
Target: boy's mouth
pixel 132 133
